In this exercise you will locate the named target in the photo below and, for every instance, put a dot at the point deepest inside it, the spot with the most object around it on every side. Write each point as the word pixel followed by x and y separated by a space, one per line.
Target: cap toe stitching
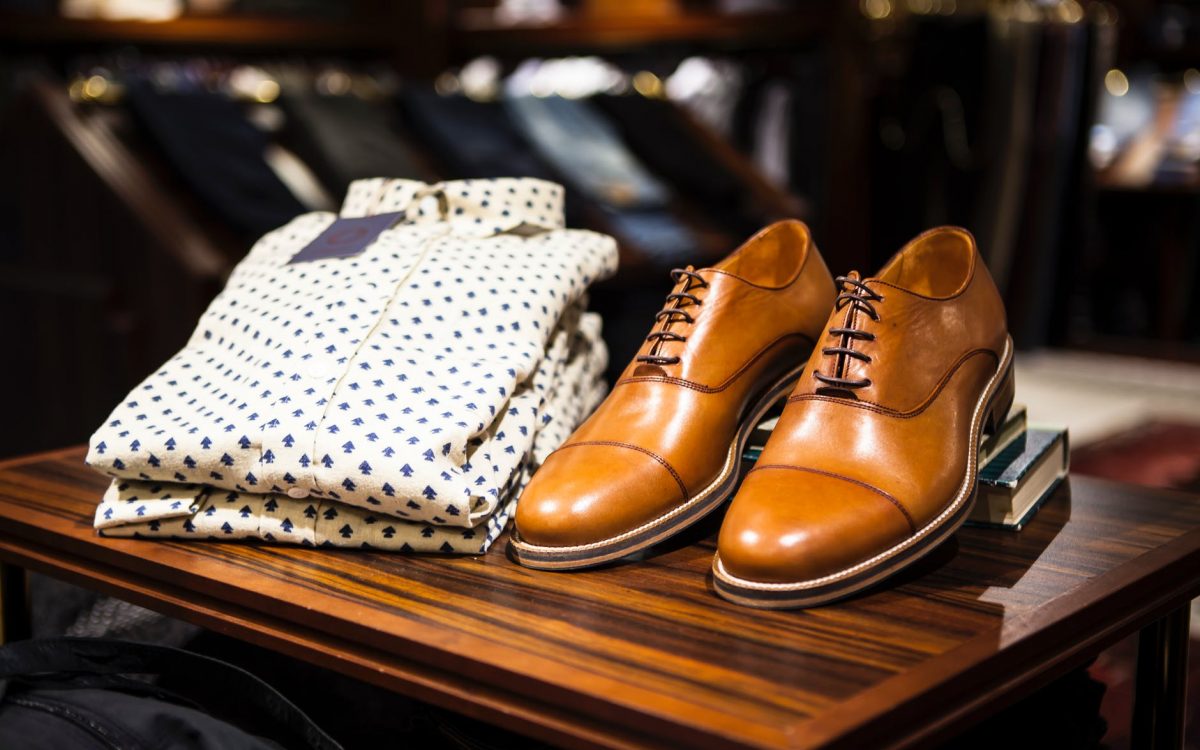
pixel 613 443
pixel 912 526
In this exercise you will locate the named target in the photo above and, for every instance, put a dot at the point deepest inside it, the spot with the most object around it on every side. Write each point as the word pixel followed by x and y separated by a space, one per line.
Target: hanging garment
pixel 476 139
pixel 658 133
pixel 419 380
pixel 218 152
pixel 1056 171
pixel 709 88
pixel 589 151
pixel 347 138
pixel 470 138
pixel 574 137
pixel 99 694
pixel 771 142
pixel 1012 48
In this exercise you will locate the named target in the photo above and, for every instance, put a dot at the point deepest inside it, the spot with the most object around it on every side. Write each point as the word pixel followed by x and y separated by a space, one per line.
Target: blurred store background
pixel 145 144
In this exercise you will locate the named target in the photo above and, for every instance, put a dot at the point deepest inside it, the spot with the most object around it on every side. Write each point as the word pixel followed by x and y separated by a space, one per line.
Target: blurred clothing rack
pixel 156 248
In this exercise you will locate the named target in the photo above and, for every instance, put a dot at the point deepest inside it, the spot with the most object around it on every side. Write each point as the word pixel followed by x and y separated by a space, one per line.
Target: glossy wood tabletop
pixel 643 654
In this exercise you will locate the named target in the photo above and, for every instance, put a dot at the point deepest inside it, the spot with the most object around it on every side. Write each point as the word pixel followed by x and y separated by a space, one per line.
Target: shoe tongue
pixel 852 276
pixel 685 280
pixel 646 370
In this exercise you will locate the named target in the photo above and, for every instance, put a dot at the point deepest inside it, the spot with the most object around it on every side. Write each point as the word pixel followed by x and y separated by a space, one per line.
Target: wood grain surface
pixel 643 654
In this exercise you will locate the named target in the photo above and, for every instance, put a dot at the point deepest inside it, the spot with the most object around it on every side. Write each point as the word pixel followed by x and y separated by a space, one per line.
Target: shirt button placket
pixel 322 376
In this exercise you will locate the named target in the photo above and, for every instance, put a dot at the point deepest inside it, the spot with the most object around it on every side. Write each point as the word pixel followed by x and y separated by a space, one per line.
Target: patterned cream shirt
pixel 397 398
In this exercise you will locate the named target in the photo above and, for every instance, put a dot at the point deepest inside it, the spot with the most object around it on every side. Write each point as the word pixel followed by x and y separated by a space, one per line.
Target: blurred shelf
pixel 476 31
pixel 1180 190
pixel 1106 183
pixel 1186 352
pixel 220 31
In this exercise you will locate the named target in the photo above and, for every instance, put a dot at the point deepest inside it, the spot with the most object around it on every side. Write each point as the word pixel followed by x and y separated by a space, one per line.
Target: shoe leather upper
pixel 664 432
pixel 854 468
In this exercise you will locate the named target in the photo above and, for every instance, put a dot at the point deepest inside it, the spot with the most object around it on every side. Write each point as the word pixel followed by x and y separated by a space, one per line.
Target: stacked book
pixel 1020 466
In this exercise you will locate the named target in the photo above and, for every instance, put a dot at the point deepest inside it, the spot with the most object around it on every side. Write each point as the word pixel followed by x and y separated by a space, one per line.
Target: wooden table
pixel 644 654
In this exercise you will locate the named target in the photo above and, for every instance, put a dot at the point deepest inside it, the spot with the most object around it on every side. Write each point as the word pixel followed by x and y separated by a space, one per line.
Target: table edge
pixel 1069 619
pixel 851 718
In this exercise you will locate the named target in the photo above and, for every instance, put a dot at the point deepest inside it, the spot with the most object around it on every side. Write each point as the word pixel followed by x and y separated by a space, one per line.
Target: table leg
pixel 14 604
pixel 1159 700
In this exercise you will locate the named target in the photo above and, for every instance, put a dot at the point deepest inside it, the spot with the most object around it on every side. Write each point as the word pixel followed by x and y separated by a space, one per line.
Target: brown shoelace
pixel 860 297
pixel 673 314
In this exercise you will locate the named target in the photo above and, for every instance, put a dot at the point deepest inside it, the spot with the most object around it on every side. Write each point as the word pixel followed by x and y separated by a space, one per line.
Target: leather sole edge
pixel 863 575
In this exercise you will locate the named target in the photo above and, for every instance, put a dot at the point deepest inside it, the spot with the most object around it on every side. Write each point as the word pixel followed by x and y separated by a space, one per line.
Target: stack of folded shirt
pixel 397 398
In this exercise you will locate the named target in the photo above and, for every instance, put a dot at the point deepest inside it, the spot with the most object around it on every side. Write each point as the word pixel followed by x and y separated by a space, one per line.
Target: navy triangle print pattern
pixel 395 399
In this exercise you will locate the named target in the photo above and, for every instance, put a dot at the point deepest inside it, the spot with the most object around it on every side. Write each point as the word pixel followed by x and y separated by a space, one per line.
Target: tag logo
pixel 347 237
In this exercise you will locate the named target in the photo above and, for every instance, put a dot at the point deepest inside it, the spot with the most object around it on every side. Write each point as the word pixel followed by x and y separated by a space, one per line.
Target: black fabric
pixel 477 140
pixel 809 78
pixel 80 692
pixel 655 131
pixel 996 143
pixel 929 158
pixel 359 714
pixel 104 719
pixel 345 138
pixel 473 139
pixel 1056 171
pixel 218 152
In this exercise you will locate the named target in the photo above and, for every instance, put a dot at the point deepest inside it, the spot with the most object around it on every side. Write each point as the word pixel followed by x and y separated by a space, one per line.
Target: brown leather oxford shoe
pixel 873 462
pixel 664 448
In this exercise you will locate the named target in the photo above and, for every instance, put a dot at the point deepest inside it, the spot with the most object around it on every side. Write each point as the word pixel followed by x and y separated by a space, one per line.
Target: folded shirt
pixel 412 380
pixel 565 389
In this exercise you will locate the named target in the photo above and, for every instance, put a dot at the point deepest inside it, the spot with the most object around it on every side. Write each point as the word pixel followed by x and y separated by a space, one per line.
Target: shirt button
pixel 297 493
pixel 318 370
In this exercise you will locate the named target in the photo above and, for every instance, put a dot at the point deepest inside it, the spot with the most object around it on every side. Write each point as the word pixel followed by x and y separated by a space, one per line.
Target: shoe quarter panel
pixel 919 343
pixel 737 324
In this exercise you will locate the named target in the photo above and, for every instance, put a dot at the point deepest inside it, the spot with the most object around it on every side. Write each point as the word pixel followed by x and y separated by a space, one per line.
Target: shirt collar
pixel 473 208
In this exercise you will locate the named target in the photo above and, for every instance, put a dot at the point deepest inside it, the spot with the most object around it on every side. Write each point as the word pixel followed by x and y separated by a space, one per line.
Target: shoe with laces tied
pixel 664 448
pixel 874 460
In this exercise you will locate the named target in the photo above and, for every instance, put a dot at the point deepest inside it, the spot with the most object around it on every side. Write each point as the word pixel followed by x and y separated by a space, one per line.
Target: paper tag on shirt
pixel 347 237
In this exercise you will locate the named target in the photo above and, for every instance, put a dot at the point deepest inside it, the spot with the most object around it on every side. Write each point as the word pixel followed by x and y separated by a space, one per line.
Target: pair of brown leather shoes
pixel 872 463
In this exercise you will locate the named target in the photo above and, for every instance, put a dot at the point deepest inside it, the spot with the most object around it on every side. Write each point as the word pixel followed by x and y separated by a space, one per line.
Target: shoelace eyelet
pixel 670 315
pixel 861 297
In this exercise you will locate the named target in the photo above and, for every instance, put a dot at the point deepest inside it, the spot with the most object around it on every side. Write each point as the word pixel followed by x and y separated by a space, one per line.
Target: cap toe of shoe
pixel 589 493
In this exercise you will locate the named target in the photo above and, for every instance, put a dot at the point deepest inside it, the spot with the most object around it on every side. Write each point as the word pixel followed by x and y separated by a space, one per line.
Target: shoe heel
pixel 1001 403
